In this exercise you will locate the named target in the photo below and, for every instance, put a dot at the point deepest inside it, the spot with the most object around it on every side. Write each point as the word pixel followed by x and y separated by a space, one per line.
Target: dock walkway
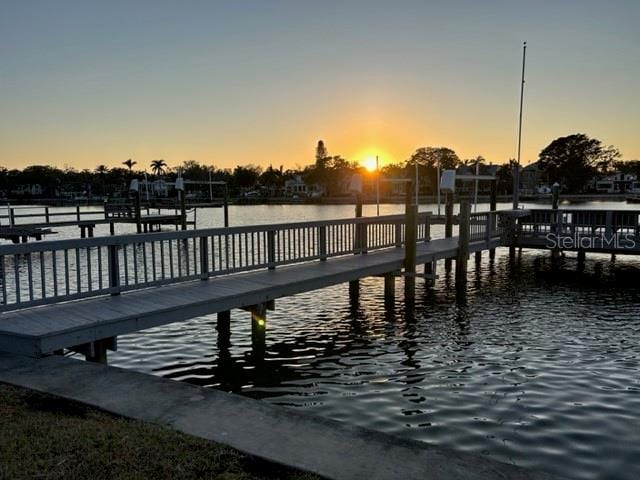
pixel 75 293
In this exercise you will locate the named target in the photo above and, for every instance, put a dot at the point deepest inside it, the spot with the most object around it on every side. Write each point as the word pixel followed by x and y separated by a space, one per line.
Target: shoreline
pixel 341 200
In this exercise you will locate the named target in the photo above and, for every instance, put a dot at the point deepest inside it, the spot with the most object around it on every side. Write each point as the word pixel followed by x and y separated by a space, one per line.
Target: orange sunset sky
pixel 88 83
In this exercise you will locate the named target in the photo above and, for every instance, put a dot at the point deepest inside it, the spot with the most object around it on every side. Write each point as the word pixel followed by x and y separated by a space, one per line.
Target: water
pixel 538 365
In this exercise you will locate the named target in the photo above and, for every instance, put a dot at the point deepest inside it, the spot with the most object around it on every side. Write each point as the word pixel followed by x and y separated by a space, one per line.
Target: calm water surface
pixel 537 365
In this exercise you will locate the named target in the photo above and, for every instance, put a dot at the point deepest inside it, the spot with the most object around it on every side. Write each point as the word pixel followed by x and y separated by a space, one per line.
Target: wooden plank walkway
pixel 40 330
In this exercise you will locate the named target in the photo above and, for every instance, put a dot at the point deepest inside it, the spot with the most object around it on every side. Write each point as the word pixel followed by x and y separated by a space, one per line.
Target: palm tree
pixel 129 164
pixel 102 170
pixel 158 167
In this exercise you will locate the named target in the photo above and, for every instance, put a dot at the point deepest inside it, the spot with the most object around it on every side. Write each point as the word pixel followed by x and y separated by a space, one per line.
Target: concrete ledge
pixel 326 447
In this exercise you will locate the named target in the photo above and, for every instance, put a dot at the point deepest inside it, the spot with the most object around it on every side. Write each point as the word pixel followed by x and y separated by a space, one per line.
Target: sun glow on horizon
pixel 369 163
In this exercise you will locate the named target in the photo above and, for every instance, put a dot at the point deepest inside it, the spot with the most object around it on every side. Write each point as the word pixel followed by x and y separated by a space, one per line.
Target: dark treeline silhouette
pixel 572 161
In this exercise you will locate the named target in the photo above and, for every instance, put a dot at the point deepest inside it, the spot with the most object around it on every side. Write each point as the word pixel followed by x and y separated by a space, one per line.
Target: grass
pixel 45 437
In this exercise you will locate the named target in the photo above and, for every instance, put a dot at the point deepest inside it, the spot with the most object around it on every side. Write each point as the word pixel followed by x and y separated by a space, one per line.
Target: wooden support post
pixel 78 212
pixel 112 228
pixel 46 214
pixel 226 205
pixel 581 256
pixel 114 270
pixel 90 228
pixel 389 287
pixel 258 330
pixel 12 217
pixel 430 272
pixel 83 232
pixel 411 232
pixel 613 257
pixel 223 326
pixel 138 213
pixel 448 227
pixel 322 242
pixel 183 209
pixel 555 196
pixel 204 258
pixel 493 217
pixel 97 351
pixel 354 289
pixel 479 256
pixel 357 239
pixel 271 249
pixel 463 243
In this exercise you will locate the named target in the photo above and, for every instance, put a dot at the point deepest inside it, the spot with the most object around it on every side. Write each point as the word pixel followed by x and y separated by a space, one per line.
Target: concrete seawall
pixel 326 447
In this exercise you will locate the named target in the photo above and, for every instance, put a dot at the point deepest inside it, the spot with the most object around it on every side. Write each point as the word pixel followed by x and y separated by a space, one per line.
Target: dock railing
pixel 12 216
pixel 583 223
pixel 55 271
pixel 484 226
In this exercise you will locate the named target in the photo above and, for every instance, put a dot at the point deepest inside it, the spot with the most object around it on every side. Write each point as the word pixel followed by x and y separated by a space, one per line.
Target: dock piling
pixel 258 330
pixel 223 326
pixel 448 227
pixel 389 287
pixel 411 231
pixel 463 243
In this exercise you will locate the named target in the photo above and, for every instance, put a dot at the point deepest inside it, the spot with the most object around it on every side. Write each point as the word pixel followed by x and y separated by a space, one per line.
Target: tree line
pixel 572 161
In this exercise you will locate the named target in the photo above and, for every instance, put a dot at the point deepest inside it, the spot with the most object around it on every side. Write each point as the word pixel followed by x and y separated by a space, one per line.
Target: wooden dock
pixel 81 294
pixel 38 221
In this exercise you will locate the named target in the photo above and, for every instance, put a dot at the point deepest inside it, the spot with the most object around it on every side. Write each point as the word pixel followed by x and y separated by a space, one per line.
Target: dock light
pixel 134 186
pixel 179 183
pixel 448 181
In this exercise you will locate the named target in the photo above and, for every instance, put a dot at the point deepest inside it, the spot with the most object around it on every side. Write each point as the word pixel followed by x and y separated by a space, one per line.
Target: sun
pixel 369 163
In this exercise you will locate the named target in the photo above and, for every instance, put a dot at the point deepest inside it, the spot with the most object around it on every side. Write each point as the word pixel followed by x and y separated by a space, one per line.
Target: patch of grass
pixel 45 437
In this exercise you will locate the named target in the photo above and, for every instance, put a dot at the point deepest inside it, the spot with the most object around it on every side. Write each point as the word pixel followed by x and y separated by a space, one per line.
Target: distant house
pixel 616 183
pixel 295 186
pixel 533 180
pixel 33 189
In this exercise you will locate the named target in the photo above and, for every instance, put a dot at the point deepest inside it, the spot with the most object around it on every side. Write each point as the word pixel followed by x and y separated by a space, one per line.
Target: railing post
pixel 46 214
pixel 114 270
pixel 271 249
pixel 427 228
pixel 488 227
pixel 364 240
pixel 322 242
pixel 12 217
pixel 204 258
pixel 398 237
pixel 78 212
pixel 609 225
pixel 448 227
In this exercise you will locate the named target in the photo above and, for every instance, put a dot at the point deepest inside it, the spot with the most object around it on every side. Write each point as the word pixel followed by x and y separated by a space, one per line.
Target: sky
pixel 85 82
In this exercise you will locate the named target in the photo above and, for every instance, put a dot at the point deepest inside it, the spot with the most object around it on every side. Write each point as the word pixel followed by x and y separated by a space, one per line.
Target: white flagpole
pixel 516 175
